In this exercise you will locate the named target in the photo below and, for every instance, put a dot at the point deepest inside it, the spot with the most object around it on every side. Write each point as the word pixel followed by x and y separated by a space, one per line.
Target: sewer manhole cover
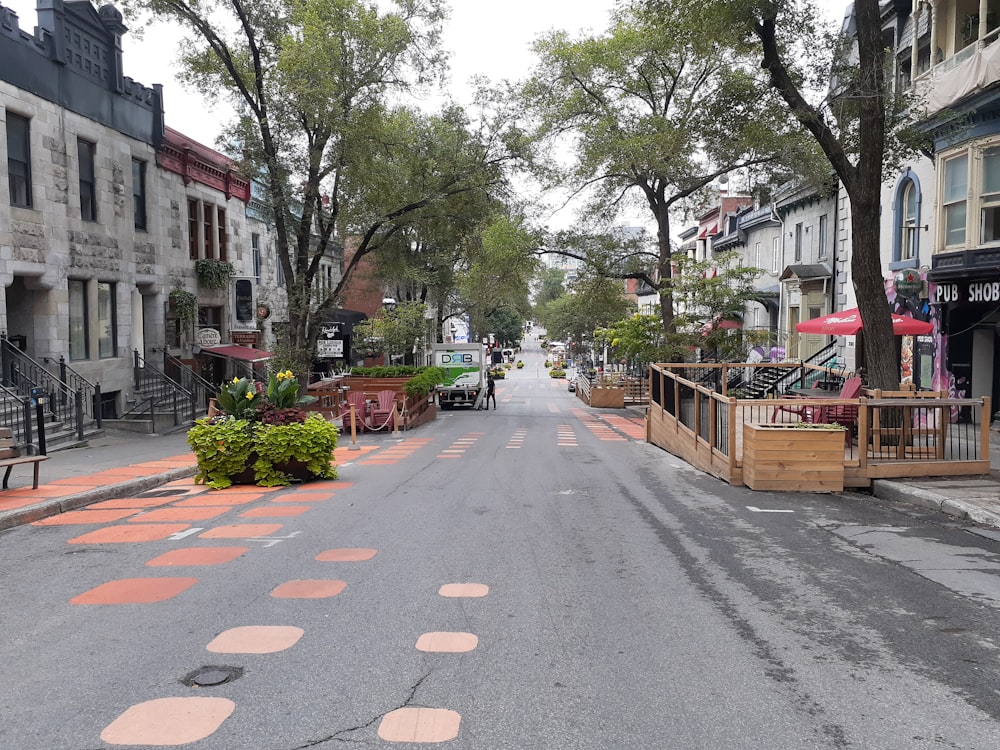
pixel 211 676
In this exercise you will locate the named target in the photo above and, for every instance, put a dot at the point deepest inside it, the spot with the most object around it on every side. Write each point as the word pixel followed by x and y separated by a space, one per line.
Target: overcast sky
pixel 485 39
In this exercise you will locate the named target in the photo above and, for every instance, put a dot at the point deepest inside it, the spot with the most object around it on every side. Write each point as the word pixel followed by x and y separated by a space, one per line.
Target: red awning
pixel 709 232
pixel 234 351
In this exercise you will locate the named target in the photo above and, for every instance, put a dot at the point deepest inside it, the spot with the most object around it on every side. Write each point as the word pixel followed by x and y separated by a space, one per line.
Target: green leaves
pixel 240 398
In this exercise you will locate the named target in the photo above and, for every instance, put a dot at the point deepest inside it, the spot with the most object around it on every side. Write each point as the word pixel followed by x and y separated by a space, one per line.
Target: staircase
pixel 163 404
pixel 47 406
pixel 773 381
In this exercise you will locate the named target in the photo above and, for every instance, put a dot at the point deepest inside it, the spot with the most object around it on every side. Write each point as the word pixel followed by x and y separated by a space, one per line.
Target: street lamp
pixel 389 304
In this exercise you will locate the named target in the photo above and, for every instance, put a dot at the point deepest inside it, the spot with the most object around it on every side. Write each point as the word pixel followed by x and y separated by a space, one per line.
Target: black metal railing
pixel 190 380
pixel 76 382
pixel 158 394
pixel 28 378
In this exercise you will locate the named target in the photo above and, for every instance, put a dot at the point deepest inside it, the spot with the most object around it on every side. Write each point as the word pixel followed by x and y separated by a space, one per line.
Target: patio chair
pixel 811 413
pixel 360 404
pixel 381 412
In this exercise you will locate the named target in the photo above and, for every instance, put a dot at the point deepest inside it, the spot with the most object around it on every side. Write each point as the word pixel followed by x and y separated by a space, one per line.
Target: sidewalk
pixel 122 464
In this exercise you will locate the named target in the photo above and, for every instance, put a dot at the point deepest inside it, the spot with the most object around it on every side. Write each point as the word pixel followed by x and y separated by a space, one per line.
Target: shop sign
pixel 907 283
pixel 330 345
pixel 972 291
pixel 244 338
pixel 208 337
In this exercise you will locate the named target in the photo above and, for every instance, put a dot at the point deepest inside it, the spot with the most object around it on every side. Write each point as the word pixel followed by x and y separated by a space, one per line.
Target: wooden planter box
pixel 607 398
pixel 789 458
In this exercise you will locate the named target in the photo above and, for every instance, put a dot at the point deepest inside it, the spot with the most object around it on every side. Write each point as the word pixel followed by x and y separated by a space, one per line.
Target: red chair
pixel 811 413
pixel 845 415
pixel 381 412
pixel 361 416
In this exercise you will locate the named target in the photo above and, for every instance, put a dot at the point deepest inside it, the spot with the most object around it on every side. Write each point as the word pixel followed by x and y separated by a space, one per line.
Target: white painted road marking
pixel 764 510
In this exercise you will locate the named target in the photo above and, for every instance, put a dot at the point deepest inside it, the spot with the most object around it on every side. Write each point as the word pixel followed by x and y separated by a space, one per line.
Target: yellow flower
pixel 250 395
pixel 236 381
pixel 288 374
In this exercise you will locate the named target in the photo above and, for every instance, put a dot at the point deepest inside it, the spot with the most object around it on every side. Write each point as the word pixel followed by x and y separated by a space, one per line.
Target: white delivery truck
pixel 465 373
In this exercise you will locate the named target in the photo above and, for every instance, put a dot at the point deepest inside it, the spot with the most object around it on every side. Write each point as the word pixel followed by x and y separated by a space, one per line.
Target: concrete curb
pixel 51 507
pixel 904 493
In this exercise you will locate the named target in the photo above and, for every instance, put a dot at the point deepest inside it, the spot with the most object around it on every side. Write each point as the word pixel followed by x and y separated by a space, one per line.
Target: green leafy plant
pixel 283 391
pixel 214 274
pixel 309 444
pixel 185 306
pixel 520 364
pixel 223 448
pixel 419 386
pixel 557 373
pixel 240 398
pixel 394 371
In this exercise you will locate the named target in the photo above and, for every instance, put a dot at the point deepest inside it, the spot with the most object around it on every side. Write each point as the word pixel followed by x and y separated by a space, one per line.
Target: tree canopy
pixel 314 83
pixel 654 110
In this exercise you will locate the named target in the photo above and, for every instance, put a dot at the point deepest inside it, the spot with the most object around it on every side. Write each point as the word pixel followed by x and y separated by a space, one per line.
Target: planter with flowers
pixel 262 436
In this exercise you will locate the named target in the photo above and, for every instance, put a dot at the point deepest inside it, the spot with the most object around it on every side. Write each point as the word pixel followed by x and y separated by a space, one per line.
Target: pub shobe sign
pixel 981 292
pixel 244 317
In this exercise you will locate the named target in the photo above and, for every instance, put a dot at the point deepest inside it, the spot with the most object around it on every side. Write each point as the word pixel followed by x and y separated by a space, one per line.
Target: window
pixel 210 317
pixel 798 242
pixel 78 338
pixel 821 246
pixel 193 229
pixel 19 160
pixel 908 223
pixel 221 226
pixel 756 255
pixel 989 197
pixel 954 195
pixel 775 255
pixel 255 248
pixel 107 324
pixel 207 239
pixel 139 194
pixel 88 195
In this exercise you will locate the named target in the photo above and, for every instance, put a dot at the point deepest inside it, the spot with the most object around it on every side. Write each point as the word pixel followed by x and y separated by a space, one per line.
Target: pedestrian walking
pixel 491 388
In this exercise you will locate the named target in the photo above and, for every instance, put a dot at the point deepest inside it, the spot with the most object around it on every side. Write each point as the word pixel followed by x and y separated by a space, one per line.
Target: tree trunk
pixel 664 268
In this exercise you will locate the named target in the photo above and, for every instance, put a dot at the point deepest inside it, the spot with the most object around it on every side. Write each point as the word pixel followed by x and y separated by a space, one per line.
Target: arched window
pixel 908 241
pixel 906 229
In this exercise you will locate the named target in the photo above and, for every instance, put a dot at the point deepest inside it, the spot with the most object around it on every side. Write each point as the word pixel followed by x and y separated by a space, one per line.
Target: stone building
pixel 105 211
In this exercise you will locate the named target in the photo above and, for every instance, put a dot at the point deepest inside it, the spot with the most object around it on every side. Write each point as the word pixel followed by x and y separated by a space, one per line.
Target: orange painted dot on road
pixel 255 639
pixel 197 556
pixel 74 517
pixel 304 589
pixel 241 531
pixel 357 554
pixel 136 532
pixel 181 514
pixel 135 591
pixel 419 725
pixel 464 590
pixel 276 511
pixel 377 462
pixel 447 643
pixel 168 721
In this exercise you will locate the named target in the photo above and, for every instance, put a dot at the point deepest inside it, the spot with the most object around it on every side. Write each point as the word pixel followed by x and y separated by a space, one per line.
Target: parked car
pixel 572 385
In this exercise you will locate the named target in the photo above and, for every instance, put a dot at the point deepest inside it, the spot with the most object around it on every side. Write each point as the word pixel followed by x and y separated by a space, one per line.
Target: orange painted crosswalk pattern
pixel 634 429
pixel 456 449
pixel 599 429
pixel 395 453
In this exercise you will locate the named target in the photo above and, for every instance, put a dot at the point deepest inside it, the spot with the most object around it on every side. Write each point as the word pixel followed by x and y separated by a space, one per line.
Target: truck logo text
pixel 456 359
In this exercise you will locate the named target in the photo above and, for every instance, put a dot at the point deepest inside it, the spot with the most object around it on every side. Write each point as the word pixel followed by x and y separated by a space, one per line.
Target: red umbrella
pixel 848 323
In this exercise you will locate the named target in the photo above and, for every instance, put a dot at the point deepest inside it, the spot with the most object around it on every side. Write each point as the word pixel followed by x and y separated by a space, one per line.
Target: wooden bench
pixel 10 456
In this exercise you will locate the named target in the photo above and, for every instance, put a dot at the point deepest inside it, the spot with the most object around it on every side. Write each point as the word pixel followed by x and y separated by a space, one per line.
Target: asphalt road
pixel 608 597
